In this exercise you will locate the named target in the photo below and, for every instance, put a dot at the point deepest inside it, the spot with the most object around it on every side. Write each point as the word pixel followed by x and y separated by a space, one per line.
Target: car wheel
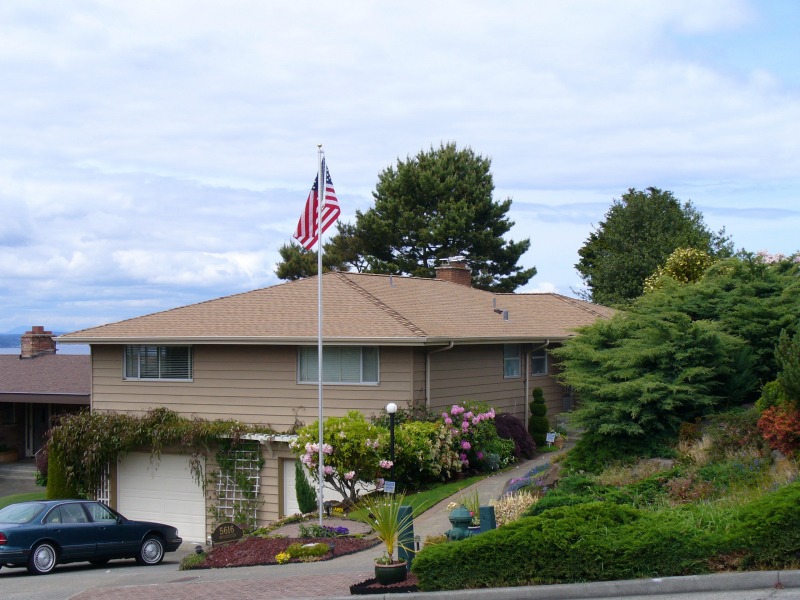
pixel 151 552
pixel 42 559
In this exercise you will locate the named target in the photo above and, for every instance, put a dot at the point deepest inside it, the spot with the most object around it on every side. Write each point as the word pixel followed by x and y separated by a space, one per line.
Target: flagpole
pixel 321 183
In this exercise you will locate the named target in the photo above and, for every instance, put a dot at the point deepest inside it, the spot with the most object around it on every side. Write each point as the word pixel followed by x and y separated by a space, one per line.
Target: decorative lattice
pixel 238 484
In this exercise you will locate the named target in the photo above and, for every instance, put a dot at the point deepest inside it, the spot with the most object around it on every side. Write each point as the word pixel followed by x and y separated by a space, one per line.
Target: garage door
pixel 163 491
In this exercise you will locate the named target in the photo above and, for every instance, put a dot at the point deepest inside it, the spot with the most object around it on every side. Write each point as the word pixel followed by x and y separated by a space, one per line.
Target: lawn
pixel 6 500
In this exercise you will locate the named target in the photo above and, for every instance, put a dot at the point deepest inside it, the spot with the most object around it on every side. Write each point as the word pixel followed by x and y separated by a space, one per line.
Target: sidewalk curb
pixel 690 584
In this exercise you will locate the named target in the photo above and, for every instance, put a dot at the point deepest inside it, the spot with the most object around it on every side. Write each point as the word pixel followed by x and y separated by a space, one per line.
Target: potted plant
pixel 382 513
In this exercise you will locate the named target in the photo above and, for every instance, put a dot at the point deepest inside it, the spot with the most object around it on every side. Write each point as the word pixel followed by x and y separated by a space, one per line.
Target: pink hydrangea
pixel 448 421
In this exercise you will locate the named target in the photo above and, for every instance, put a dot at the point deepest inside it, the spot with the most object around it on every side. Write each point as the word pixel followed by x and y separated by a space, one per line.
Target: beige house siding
pixel 252 384
pixel 475 373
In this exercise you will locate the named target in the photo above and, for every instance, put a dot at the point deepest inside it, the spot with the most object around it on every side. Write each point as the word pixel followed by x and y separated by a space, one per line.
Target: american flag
pixel 307 232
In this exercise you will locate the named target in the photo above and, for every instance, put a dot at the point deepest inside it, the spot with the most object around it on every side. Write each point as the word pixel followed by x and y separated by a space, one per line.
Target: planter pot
pixel 393 573
pixel 8 456
pixel 559 442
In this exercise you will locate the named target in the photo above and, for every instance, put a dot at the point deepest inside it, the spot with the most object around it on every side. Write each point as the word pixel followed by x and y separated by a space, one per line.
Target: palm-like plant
pixel 382 513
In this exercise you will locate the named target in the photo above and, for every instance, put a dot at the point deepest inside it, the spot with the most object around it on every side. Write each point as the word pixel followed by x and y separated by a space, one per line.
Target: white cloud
pixel 154 154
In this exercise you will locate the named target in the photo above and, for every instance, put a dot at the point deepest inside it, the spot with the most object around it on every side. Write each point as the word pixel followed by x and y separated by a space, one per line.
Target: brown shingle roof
pixel 357 308
pixel 46 374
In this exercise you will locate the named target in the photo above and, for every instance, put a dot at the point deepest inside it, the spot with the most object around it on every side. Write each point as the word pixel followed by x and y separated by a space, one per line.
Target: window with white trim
pixel 158 362
pixel 539 362
pixel 511 361
pixel 340 364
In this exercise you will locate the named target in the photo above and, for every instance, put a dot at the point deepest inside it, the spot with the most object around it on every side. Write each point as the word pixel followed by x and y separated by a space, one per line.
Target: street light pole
pixel 391 408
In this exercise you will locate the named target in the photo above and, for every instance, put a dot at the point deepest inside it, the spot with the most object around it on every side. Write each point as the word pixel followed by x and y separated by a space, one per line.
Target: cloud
pixel 153 154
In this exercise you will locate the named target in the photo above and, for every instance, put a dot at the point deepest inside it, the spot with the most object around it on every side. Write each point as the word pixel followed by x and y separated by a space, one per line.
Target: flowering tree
pixel 353 450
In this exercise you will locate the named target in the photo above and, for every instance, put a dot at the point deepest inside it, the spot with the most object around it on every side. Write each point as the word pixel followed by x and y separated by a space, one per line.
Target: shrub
pixel 306 494
pixel 734 433
pixel 510 507
pixel 766 529
pixel 594 452
pixel 589 542
pixel 538 425
pixel 474 432
pixel 298 550
pixel 58 483
pixel 780 426
pixel 424 453
pixel 511 428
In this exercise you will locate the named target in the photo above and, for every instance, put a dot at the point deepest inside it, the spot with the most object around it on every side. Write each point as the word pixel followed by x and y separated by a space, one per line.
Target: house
pixel 37 386
pixel 253 357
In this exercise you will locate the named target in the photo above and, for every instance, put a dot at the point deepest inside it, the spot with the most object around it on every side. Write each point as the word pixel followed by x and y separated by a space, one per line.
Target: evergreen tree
pixel 430 207
pixel 538 425
pixel 639 233
pixel 306 494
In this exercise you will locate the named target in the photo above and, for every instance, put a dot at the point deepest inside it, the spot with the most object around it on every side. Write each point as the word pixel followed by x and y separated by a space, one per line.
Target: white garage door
pixel 163 491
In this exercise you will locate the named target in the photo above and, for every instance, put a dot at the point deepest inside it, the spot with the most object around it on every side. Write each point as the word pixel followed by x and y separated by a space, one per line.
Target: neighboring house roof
pixel 46 375
pixel 358 308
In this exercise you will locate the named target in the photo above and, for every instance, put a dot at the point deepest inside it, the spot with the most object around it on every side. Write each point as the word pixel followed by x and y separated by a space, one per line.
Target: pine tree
pixel 306 494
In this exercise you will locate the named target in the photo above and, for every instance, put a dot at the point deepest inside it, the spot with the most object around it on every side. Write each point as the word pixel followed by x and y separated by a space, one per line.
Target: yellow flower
pixel 283 557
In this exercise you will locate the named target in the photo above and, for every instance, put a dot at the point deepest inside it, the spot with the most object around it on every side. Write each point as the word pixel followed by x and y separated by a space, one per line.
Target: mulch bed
pixel 253 551
pixel 371 586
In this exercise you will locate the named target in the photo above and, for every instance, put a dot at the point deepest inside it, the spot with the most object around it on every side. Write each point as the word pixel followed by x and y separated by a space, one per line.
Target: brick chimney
pixel 455 269
pixel 36 342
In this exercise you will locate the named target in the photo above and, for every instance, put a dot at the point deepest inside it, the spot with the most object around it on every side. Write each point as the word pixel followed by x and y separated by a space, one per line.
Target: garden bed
pixel 253 551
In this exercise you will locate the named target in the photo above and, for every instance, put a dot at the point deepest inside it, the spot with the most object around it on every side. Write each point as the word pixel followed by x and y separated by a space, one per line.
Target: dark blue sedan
pixel 40 535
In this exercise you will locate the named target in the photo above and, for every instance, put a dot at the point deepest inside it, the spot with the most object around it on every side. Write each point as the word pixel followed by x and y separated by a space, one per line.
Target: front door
pixel 37 422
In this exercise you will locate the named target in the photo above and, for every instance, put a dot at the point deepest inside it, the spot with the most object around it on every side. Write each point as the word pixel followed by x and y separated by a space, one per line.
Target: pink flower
pixel 444 416
pixel 465 425
pixel 327 469
pixel 327 449
pixel 480 455
pixel 469 415
pixel 463 457
pixel 448 421
pixel 349 475
pixel 476 421
pixel 465 445
pixel 386 464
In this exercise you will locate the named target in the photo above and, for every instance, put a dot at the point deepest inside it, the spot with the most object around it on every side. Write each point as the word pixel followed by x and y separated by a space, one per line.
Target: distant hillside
pixel 9 340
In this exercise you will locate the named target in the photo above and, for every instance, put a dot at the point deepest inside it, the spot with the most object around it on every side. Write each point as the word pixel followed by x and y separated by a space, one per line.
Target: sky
pixel 154 154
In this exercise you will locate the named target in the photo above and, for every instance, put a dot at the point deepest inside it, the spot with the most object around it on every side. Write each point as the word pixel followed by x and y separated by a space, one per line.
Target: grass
pixel 424 499
pixel 6 500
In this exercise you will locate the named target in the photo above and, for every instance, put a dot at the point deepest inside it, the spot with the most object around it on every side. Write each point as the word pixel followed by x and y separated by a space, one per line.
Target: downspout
pixel 428 372
pixel 528 379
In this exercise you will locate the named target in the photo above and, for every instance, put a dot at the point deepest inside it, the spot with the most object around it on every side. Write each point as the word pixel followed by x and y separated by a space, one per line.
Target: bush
pixel 767 529
pixel 538 425
pixel 780 426
pixel 511 428
pixel 594 452
pixel 589 542
pixel 476 438
pixel 424 453
pixel 306 494
pixel 298 550
pixel 58 486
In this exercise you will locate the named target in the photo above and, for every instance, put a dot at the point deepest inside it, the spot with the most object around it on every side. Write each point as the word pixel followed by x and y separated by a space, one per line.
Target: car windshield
pixel 21 513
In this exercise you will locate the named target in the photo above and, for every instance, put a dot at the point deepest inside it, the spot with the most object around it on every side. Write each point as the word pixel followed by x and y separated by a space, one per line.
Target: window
pixel 539 362
pixel 511 362
pixel 158 362
pixel 340 364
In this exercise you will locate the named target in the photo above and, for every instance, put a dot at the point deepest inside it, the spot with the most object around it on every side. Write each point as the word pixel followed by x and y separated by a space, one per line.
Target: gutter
pixel 428 372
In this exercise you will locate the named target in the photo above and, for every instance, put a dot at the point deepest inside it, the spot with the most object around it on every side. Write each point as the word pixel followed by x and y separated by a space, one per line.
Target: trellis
pixel 238 483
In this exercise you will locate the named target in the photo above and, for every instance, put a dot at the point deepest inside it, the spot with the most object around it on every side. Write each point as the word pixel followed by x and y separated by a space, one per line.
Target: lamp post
pixel 391 408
